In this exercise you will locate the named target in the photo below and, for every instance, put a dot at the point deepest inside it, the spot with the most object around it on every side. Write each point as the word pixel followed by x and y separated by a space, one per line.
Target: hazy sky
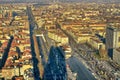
pixel 65 0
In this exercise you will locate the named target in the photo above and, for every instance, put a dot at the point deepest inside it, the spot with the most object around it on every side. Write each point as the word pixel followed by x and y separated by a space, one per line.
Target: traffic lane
pixel 77 66
pixel 44 45
pixel 82 72
pixel 41 51
pixel 35 60
pixel 43 48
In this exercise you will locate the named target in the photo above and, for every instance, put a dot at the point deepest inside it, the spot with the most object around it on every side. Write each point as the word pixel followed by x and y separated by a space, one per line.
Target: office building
pixel 112 39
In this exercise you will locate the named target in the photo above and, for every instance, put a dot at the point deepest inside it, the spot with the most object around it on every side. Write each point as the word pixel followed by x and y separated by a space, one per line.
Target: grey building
pixel 112 39
pixel 116 55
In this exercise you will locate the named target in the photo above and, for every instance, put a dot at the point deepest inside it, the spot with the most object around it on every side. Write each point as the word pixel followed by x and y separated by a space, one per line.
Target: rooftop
pixel 115 27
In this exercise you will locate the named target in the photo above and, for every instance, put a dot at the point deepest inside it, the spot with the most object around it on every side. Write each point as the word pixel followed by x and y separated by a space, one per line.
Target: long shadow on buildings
pixel 5 54
pixel 35 61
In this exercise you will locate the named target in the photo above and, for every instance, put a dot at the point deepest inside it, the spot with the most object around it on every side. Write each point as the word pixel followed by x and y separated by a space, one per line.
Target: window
pixel 119 39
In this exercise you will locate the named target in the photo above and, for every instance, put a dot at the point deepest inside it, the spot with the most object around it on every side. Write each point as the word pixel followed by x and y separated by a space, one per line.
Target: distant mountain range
pixel 102 1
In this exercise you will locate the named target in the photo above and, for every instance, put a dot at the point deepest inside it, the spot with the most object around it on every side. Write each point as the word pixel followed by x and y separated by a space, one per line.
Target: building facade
pixel 112 40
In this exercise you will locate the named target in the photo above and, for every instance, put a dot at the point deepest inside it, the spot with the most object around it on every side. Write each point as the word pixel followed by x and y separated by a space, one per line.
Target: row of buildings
pixel 19 61
pixel 84 22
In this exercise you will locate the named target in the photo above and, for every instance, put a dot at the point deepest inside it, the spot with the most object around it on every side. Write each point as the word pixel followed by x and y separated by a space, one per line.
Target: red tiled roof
pixel 12 53
pixel 4 44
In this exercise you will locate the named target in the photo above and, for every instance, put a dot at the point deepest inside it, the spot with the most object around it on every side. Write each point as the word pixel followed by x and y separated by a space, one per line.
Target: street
pixel 41 51
pixel 34 58
pixel 82 72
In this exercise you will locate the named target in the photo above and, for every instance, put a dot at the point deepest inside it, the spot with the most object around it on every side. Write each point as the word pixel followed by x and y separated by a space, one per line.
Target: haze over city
pixel 104 1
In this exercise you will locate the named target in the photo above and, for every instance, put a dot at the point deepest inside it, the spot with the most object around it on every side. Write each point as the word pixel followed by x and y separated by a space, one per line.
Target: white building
pixel 95 43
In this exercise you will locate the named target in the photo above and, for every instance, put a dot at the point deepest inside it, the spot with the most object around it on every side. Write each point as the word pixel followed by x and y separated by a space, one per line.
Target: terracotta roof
pixel 4 44
pixel 12 53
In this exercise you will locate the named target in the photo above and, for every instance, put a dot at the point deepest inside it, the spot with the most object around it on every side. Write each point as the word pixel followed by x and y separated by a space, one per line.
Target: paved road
pixel 82 72
pixel 34 58
pixel 45 48
pixel 41 51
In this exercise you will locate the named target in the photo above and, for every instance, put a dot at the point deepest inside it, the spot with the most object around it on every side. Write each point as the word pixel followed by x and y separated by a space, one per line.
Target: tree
pixel 14 14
